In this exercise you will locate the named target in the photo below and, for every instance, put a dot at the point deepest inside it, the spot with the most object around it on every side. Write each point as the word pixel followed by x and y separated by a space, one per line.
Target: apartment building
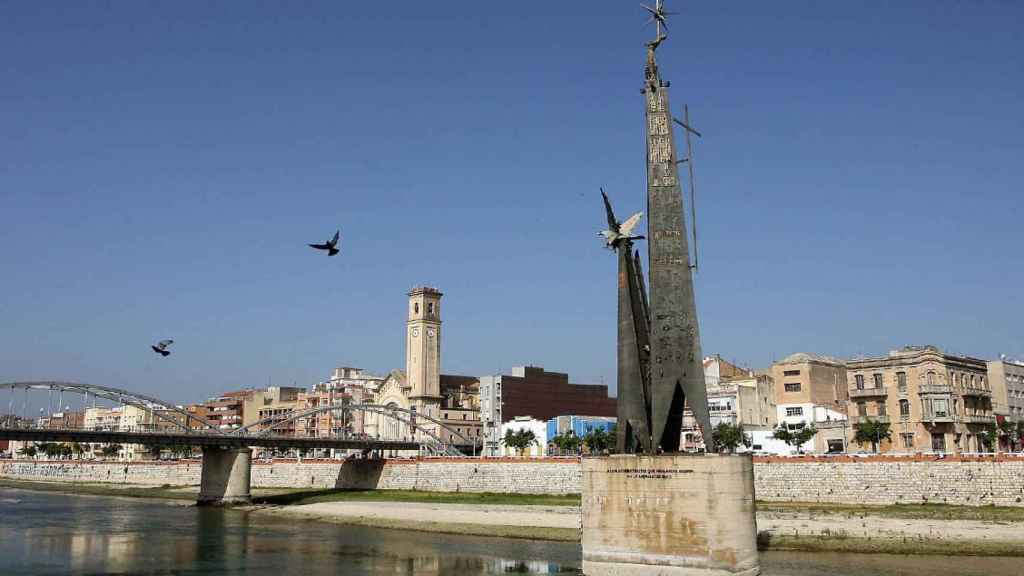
pixel 271 408
pixel 810 389
pixel 748 400
pixel 1007 379
pixel 934 401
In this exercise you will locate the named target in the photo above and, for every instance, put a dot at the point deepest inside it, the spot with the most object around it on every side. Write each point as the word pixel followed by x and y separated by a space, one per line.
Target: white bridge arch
pixel 152 405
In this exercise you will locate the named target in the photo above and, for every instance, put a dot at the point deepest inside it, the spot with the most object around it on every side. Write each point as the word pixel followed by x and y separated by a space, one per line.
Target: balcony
pixel 978 419
pixel 937 417
pixel 977 392
pixel 869 392
pixel 935 389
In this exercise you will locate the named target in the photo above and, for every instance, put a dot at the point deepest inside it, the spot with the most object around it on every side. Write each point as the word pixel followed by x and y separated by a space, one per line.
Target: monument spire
pixel 677 369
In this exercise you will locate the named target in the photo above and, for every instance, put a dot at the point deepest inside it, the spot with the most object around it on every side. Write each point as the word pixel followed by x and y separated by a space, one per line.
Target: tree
pixel 795 439
pixel 598 440
pixel 110 450
pixel 872 431
pixel 567 443
pixel 28 451
pixel 1010 429
pixel 989 438
pixel 77 449
pixel 728 437
pixel 519 440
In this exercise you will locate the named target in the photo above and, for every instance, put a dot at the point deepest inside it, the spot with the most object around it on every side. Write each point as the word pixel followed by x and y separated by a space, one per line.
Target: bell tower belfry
pixel 423 347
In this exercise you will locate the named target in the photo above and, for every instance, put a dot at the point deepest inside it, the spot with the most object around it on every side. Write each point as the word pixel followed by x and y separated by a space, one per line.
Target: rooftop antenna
pixel 687 130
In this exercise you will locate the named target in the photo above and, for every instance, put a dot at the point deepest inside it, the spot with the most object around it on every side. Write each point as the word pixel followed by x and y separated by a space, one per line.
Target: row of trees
pixel 57 450
pixel 730 437
pixel 596 441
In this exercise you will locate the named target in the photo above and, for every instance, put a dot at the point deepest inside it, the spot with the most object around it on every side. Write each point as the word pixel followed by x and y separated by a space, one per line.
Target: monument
pixel 649 509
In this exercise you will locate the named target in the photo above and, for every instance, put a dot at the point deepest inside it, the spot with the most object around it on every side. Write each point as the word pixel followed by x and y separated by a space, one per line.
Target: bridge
pixel 227 454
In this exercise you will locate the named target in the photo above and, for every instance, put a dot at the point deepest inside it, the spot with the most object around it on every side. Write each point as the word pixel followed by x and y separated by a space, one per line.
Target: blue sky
pixel 162 166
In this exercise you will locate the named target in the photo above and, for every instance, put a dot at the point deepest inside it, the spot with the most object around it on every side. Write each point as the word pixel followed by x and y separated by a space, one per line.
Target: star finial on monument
pixel 658 16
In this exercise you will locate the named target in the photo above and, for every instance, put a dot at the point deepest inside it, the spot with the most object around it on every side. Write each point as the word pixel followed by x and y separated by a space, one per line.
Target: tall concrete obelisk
pixel 646 510
pixel 677 369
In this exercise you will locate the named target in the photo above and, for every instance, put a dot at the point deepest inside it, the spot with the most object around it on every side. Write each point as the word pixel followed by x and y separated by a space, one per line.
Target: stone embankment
pixel 840 480
pixel 499 475
pixel 964 481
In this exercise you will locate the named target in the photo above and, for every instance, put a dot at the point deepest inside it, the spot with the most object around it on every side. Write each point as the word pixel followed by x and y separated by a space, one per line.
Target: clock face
pixel 416 332
pixel 431 332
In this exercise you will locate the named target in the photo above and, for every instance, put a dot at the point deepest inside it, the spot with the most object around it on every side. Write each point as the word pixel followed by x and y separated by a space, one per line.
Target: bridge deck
pixel 164 438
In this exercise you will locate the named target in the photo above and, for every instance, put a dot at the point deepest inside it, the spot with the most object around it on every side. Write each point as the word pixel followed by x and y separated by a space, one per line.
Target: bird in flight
pixel 331 246
pixel 161 347
pixel 617 232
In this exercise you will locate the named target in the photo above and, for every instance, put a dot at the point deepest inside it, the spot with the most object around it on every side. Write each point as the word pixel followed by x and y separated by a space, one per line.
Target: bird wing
pixel 612 224
pixel 164 343
pixel 320 246
pixel 627 227
pixel 337 235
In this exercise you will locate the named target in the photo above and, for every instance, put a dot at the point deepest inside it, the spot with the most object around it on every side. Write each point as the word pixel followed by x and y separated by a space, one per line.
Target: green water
pixel 47 533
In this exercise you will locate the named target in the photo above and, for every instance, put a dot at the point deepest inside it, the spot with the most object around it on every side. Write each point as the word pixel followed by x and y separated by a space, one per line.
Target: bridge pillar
pixel 225 476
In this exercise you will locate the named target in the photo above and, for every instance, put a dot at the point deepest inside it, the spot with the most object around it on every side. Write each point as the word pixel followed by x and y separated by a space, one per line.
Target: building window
pixel 938 442
pixel 901 382
pixel 940 408
pixel 795 411
pixel 860 381
pixel 908 440
pixel 930 378
pixel 862 408
pixel 791 373
pixel 881 408
pixel 416 307
pixel 904 407
pixel 792 387
pixel 878 380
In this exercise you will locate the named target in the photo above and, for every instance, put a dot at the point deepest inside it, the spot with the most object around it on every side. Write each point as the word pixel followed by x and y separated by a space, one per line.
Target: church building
pixel 421 389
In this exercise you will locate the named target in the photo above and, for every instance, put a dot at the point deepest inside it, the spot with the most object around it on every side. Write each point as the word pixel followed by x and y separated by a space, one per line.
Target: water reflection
pixel 57 534
pixel 42 534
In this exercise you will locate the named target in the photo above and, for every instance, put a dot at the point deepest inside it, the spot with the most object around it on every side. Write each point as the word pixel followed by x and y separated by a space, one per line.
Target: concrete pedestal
pixel 669 515
pixel 225 478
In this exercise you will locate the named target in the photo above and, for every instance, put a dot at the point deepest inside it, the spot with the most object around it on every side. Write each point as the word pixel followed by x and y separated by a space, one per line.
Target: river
pixel 48 533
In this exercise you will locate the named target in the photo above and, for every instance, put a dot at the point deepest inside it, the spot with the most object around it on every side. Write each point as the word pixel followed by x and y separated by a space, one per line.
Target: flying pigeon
pixel 161 347
pixel 617 232
pixel 331 246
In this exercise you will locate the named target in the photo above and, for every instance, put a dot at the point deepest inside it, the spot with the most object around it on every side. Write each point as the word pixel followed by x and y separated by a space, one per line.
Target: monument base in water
pixel 669 515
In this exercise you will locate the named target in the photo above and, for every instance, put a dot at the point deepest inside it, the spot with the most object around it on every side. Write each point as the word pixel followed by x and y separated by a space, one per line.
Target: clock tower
pixel 423 349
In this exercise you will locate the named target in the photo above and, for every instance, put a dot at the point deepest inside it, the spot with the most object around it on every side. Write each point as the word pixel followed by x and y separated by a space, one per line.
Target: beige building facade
pixel 934 401
pixel 1007 380
pixel 271 408
pixel 748 400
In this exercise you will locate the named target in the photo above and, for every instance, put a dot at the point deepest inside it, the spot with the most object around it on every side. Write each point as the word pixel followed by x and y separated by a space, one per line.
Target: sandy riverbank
pixel 559 523
pixel 796 529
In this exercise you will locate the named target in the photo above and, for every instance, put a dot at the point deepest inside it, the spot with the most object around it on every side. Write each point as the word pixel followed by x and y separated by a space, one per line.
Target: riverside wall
pixel 967 481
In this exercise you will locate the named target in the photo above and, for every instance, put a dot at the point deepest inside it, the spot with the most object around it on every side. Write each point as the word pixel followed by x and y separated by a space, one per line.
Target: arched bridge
pixel 223 450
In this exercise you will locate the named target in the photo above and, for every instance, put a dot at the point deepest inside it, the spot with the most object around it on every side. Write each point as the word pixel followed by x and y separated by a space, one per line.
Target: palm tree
pixel 598 440
pixel 519 440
